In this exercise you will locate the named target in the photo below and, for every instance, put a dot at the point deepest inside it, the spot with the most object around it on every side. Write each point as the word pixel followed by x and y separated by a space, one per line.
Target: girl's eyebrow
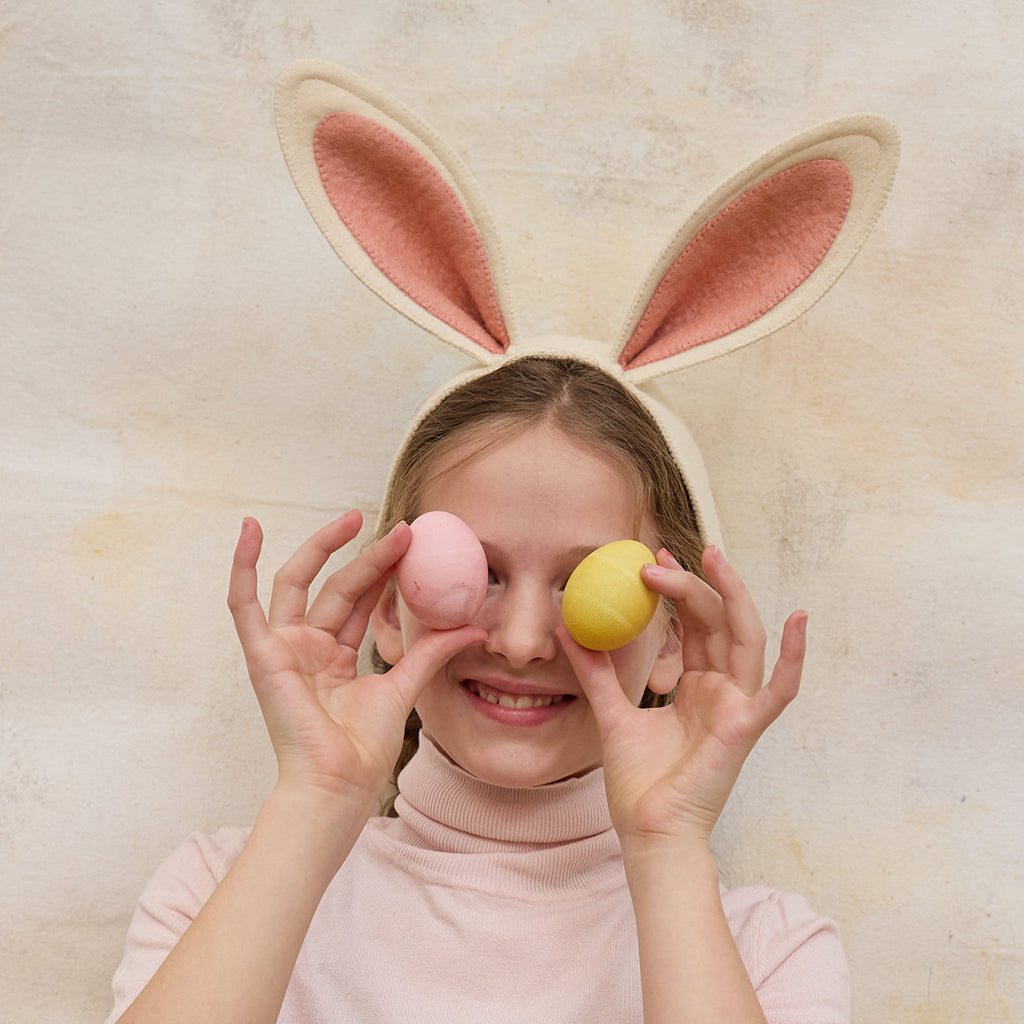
pixel 579 552
pixel 573 555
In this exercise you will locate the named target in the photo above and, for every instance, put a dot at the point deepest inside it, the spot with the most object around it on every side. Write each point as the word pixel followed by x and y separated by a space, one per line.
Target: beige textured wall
pixel 181 348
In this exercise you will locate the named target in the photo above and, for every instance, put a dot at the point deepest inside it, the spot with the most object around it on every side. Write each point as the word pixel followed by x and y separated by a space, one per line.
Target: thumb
pixel 427 656
pixel 601 685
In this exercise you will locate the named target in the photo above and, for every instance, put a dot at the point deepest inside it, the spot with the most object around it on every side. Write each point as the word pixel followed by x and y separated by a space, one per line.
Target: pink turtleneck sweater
pixel 482 905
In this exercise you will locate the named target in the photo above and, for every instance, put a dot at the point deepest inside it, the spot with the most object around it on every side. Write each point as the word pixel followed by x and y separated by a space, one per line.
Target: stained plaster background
pixel 181 348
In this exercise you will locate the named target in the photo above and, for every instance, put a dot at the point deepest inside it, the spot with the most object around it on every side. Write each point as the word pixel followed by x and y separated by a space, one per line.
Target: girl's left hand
pixel 669 770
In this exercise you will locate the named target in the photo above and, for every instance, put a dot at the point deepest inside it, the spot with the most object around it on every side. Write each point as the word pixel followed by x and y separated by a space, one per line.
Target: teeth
pixel 507 700
pixel 525 701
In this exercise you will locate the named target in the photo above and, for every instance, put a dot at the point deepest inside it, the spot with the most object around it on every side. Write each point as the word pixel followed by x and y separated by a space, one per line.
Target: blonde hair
pixel 585 403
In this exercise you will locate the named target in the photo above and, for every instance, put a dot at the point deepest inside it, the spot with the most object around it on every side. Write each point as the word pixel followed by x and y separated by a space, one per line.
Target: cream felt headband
pixel 404 214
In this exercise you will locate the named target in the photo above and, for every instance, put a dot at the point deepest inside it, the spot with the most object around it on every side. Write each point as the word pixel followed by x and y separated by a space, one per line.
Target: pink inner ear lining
pixel 410 223
pixel 744 261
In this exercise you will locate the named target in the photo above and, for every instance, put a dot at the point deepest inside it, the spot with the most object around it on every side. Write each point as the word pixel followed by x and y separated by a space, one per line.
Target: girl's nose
pixel 521 624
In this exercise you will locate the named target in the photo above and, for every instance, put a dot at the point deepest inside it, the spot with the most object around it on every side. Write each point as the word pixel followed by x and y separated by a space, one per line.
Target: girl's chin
pixel 515 768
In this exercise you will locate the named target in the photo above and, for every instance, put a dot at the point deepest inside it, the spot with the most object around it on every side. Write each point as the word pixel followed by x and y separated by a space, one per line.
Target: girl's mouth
pixel 515 701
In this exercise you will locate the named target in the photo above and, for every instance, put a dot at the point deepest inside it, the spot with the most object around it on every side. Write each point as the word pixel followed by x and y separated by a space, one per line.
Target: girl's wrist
pixel 652 862
pixel 320 825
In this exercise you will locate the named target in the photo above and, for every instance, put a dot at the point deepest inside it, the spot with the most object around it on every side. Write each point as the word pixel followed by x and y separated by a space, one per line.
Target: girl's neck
pixel 448 805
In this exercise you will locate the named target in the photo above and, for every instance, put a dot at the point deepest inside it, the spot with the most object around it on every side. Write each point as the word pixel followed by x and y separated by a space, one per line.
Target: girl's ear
pixel 387 629
pixel 668 666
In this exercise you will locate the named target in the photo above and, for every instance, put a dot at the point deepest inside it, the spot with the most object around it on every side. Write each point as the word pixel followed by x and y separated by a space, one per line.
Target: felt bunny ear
pixel 403 213
pixel 396 204
pixel 763 248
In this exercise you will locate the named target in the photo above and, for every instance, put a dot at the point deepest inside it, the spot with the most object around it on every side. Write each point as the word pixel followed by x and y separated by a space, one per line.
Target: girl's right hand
pixel 332 729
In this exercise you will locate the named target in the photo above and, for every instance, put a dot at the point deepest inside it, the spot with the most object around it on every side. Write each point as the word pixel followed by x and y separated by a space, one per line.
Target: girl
pixel 548 859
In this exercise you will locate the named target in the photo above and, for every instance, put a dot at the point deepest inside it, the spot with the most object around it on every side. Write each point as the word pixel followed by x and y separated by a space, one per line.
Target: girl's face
pixel 539 502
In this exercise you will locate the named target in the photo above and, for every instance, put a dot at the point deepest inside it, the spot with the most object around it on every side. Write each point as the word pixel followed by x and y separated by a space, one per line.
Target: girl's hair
pixel 579 399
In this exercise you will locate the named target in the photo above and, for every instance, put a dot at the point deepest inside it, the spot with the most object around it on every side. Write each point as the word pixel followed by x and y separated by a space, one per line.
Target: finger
pixel 784 683
pixel 701 613
pixel 600 684
pixel 290 595
pixel 747 636
pixel 243 603
pixel 428 656
pixel 348 596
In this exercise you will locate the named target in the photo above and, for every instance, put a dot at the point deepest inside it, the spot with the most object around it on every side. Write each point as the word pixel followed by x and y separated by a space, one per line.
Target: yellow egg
pixel 605 603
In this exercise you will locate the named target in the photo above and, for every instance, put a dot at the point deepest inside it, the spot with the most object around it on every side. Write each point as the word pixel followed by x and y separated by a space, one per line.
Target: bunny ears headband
pixel 402 211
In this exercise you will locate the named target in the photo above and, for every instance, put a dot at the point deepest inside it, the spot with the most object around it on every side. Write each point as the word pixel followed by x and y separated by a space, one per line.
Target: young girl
pixel 549 856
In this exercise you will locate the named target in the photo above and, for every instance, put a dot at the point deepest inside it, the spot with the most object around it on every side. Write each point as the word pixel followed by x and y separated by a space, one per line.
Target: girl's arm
pixel 669 772
pixel 690 968
pixel 234 961
pixel 336 736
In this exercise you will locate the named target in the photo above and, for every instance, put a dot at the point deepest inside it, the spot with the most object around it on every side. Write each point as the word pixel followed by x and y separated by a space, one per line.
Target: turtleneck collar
pixel 455 832
pixel 454 811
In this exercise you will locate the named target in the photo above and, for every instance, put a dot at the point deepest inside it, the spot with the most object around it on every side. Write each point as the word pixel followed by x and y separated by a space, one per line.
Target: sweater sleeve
pixel 793 956
pixel 168 905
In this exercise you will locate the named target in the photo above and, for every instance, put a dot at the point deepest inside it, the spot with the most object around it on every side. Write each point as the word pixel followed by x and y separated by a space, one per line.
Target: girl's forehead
pixel 537 479
pixel 519 445
pixel 533 450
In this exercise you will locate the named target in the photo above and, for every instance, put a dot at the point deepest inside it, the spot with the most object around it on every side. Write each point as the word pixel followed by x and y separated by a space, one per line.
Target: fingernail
pixel 672 558
pixel 655 570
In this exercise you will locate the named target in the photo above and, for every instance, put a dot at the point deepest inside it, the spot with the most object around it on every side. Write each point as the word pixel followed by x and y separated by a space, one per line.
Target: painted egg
pixel 605 603
pixel 442 577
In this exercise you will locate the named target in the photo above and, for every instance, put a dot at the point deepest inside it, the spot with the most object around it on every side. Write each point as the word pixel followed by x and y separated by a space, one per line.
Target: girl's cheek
pixel 412 628
pixel 489 610
pixel 634 663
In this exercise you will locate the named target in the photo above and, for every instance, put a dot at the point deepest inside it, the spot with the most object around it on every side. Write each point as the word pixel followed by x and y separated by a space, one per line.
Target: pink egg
pixel 443 575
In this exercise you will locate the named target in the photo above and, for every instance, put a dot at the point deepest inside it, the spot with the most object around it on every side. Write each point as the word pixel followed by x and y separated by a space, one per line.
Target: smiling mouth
pixel 517 702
